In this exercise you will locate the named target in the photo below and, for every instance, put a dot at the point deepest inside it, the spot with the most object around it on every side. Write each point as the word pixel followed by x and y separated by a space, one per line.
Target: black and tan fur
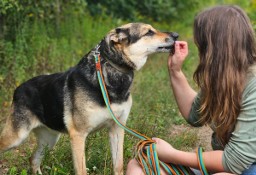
pixel 71 102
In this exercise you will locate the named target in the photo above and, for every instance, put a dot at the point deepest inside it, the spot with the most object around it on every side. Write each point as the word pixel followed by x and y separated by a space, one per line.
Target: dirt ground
pixel 203 134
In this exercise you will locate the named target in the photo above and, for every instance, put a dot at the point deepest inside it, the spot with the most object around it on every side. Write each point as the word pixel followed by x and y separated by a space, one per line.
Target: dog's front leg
pixel 116 136
pixel 77 146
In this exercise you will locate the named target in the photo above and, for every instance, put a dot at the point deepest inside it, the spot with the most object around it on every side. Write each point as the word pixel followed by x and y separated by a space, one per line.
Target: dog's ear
pixel 118 35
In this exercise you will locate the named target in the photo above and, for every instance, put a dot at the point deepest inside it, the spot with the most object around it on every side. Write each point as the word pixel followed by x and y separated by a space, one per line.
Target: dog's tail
pixel 14 131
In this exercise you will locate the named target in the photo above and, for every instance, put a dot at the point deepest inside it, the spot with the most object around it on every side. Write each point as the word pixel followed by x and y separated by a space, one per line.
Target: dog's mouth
pixel 169 48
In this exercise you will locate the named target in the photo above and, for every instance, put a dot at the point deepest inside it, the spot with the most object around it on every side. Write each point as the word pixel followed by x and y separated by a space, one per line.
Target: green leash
pixel 146 148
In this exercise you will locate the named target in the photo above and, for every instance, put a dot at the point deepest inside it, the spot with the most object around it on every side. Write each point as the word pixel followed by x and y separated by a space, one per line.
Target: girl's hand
pixel 175 60
pixel 164 150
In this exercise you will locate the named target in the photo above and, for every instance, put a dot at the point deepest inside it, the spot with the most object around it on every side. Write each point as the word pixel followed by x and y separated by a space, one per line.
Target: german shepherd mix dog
pixel 71 102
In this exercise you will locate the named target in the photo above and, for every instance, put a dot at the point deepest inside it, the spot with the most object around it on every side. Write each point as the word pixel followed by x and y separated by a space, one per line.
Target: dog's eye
pixel 150 33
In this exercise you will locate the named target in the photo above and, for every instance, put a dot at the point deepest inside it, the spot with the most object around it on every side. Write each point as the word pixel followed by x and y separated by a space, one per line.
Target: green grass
pixel 37 51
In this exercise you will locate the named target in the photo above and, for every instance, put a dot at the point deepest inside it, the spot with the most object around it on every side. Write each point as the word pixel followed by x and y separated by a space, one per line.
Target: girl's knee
pixel 132 163
pixel 133 168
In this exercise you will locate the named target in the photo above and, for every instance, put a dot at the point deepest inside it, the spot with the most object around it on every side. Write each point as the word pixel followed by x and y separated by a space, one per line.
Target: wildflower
pixel 94 168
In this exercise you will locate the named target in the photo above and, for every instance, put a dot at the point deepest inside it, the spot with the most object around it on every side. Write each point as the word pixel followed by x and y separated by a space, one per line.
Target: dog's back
pixel 44 97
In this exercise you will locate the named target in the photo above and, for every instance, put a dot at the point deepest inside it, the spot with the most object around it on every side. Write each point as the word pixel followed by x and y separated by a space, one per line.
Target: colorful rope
pixel 200 161
pixel 146 154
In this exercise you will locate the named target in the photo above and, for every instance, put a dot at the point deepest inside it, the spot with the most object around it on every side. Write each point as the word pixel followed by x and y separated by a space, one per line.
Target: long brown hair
pixel 226 43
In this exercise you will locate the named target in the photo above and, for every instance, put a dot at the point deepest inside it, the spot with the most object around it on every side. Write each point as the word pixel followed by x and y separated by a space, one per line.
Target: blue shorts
pixel 251 170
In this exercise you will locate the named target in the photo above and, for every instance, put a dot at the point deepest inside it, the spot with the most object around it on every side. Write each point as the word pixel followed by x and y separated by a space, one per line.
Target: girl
pixel 226 76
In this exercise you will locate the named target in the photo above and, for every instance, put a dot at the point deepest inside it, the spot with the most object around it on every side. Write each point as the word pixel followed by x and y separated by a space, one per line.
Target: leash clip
pixel 97 58
pixel 97 64
pixel 97 52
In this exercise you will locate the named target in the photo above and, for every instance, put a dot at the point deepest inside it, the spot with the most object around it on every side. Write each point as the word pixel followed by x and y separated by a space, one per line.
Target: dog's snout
pixel 175 35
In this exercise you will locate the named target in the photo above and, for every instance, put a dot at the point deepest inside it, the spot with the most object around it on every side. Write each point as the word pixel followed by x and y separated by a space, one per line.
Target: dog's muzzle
pixel 170 40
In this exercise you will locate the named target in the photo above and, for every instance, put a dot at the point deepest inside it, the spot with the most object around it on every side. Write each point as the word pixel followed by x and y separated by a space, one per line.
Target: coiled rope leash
pixel 146 154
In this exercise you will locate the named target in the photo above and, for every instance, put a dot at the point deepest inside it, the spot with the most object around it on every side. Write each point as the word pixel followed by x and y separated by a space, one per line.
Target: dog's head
pixel 135 41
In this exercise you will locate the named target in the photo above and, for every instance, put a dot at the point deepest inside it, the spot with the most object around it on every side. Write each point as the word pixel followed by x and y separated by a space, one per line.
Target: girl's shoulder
pixel 250 87
pixel 252 70
pixel 251 75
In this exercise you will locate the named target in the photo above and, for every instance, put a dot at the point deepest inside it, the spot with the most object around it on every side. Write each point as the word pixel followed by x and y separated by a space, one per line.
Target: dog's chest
pixel 100 117
pixel 90 116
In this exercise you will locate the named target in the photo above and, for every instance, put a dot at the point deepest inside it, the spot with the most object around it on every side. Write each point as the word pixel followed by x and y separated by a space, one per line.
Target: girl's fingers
pixel 177 48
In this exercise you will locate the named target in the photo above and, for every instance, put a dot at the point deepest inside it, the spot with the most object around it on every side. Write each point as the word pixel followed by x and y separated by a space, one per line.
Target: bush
pixel 164 11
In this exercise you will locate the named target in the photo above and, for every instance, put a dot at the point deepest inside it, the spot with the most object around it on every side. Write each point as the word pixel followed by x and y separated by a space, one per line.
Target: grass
pixel 154 109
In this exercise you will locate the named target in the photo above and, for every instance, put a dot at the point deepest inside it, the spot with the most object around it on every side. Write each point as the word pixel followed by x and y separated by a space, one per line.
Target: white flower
pixel 94 168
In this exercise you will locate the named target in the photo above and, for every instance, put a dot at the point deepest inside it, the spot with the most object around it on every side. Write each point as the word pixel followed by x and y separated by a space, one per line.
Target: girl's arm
pixel 168 154
pixel 182 91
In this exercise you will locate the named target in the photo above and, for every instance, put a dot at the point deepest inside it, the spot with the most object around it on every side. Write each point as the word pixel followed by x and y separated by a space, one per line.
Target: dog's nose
pixel 175 35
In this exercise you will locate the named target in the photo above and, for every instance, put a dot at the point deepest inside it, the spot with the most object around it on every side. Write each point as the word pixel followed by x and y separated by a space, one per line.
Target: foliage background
pixel 41 37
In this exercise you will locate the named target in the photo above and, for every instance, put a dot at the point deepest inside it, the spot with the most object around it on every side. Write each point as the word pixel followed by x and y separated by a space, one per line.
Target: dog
pixel 71 102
